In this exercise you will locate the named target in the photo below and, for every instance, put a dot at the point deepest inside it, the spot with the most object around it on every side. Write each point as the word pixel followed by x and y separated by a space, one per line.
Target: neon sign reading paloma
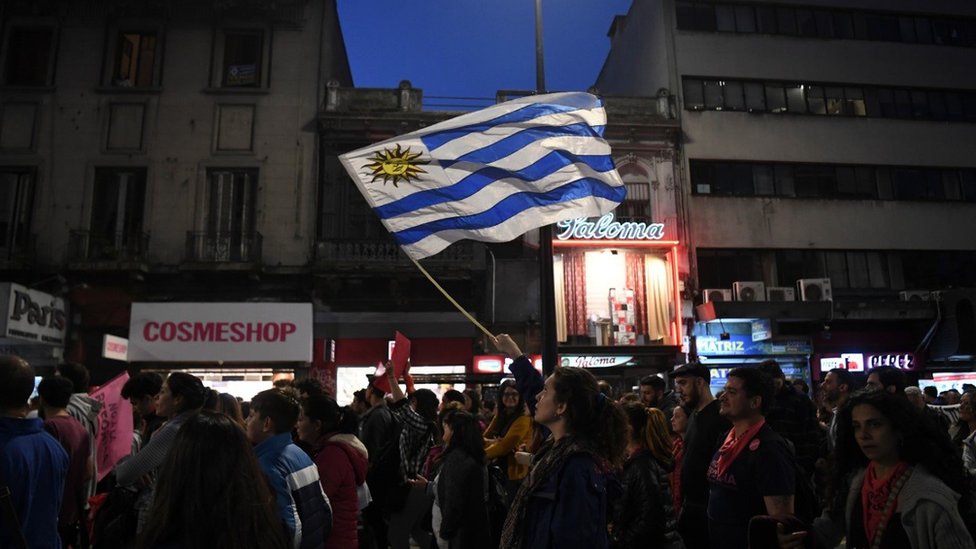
pixel 607 228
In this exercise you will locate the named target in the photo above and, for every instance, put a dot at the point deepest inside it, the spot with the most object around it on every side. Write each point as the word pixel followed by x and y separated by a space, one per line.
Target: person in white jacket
pixel 898 483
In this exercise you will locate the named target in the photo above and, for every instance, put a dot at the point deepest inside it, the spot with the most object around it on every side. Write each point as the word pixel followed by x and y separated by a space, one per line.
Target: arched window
pixel 637 205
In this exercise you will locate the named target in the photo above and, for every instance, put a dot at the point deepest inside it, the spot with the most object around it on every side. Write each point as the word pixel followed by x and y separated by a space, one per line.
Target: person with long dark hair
pixel 509 429
pixel 228 405
pixel 563 502
pixel 181 396
pixel 210 493
pixel 329 432
pixel 643 516
pixel 461 485
pixel 896 483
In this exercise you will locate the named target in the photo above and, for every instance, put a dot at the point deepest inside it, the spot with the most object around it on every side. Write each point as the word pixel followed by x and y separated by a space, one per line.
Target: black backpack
pixel 496 501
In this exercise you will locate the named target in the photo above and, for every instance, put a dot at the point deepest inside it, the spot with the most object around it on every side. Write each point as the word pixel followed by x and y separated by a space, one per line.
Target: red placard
pixel 401 354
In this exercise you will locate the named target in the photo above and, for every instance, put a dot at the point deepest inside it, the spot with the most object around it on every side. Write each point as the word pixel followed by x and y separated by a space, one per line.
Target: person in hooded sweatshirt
pixel 341 458
pixel 85 409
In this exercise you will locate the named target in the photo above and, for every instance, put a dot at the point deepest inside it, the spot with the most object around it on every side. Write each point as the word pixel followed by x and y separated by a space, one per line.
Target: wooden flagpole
pixel 451 299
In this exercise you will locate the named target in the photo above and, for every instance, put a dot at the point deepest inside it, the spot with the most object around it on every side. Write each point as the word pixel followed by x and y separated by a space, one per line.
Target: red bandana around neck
pixel 874 495
pixel 733 446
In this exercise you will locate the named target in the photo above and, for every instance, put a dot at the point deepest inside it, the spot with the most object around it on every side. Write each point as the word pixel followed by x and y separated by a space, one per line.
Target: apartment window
pixel 16 204
pixel 232 197
pixel 135 59
pixel 343 213
pixel 745 19
pixel 826 23
pixel 792 265
pixel 831 100
pixel 857 269
pixel 30 56
pixel 243 58
pixel 837 181
pixel 927 270
pixel 720 268
pixel 637 205
pixel 725 18
pixel 117 209
pixel 694 95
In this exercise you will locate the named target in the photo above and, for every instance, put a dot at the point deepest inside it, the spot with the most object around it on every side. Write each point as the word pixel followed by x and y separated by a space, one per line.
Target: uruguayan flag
pixel 491 175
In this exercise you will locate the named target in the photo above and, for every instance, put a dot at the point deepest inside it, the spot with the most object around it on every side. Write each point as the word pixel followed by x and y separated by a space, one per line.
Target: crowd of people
pixel 561 461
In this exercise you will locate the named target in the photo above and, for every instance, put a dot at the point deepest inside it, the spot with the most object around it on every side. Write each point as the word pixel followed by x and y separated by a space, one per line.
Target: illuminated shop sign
pixel 594 361
pixel 861 362
pixel 498 364
pixel 743 345
pixel 606 228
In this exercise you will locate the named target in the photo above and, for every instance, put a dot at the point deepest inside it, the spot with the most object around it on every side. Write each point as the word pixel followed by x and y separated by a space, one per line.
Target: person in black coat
pixel 461 485
pixel 644 516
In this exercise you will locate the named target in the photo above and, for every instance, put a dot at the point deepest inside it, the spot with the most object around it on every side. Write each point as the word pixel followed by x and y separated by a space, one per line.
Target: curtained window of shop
pixel 586 312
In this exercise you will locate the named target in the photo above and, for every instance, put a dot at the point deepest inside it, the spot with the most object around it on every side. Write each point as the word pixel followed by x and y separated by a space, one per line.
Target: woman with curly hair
pixel 643 516
pixel 563 501
pixel 896 483
pixel 211 493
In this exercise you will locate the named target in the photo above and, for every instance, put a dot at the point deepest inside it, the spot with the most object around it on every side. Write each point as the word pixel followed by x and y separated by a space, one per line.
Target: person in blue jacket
pixel 294 478
pixel 563 502
pixel 33 465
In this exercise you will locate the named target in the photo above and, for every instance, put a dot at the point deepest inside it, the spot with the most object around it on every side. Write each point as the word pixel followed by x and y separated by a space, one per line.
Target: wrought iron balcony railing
pixel 374 252
pixel 86 246
pixel 208 247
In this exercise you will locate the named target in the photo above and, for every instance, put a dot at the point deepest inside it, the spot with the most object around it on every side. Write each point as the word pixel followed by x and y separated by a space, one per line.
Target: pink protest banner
pixel 114 439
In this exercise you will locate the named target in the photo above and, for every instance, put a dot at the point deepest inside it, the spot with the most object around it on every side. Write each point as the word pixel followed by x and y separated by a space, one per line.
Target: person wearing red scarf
pixel 752 473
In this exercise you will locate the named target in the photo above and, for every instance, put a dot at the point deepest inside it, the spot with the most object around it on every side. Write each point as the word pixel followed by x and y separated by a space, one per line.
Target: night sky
pixel 472 48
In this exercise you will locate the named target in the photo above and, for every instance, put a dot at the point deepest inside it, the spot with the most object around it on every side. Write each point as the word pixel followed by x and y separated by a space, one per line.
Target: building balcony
pixel 120 251
pixel 222 251
pixel 349 254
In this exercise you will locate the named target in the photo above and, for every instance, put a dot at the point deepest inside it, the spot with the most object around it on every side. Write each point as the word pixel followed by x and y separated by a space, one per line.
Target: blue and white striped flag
pixel 491 175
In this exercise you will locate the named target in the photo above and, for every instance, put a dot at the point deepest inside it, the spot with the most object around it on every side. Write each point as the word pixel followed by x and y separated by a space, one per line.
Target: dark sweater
pixel 702 438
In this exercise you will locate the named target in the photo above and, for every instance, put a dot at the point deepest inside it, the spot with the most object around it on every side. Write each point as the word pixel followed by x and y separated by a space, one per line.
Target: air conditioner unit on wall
pixel 749 291
pixel 717 294
pixel 780 293
pixel 815 289
pixel 915 295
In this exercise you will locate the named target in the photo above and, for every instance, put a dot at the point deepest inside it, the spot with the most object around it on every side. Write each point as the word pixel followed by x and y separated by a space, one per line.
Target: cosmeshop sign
pixel 224 332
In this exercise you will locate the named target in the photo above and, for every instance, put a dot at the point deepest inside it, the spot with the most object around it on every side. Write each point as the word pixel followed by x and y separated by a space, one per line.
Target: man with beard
pixel 837 385
pixel 702 438
pixel 654 394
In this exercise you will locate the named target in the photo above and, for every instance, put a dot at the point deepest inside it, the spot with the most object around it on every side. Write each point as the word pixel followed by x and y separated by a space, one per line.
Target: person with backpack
pixel 341 459
pixel 753 472
pixel 643 516
pixel 896 484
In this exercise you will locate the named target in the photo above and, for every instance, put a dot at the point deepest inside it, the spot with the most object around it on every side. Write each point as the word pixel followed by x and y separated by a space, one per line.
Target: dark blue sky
pixel 472 48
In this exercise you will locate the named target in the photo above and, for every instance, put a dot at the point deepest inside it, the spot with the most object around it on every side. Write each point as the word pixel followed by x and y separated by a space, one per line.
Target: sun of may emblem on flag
pixel 394 165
